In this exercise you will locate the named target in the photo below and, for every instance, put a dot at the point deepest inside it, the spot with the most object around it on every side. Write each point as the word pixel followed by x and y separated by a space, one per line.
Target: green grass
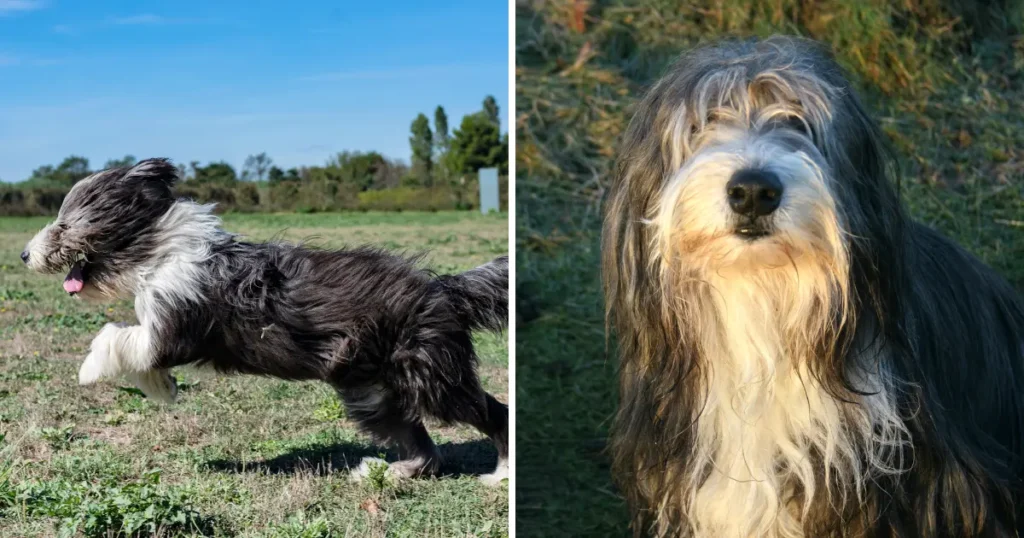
pixel 947 97
pixel 236 456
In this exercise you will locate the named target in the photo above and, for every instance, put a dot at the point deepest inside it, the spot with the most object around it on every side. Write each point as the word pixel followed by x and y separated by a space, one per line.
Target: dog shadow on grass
pixel 471 458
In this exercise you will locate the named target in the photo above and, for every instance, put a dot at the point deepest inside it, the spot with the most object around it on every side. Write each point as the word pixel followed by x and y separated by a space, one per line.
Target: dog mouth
pixel 76 277
pixel 753 230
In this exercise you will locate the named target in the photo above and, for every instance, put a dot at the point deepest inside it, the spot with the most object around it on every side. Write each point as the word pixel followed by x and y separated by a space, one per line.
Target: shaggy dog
pixel 798 357
pixel 392 339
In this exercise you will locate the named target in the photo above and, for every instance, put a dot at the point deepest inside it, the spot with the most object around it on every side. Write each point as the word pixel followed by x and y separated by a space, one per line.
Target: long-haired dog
pixel 798 357
pixel 393 339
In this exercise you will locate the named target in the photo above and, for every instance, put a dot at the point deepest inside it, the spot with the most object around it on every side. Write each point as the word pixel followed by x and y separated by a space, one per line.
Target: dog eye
pixel 797 124
pixel 697 127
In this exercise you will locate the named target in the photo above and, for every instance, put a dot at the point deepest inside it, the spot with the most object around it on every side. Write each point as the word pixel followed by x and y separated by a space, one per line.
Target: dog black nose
pixel 754 192
pixel 24 256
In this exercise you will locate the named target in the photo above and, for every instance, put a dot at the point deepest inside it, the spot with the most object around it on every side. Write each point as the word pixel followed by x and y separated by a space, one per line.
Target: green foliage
pixel 309 189
pixel 440 130
pixel 142 507
pixel 60 321
pixel 277 175
pixel 477 144
pixel 413 199
pixel 127 160
pixel 302 526
pixel 491 110
pixel 422 146
pixel 9 294
pixel 379 477
pixel 28 200
pixel 66 174
pixel 330 410
pixel 357 170
pixel 218 173
pixel 58 438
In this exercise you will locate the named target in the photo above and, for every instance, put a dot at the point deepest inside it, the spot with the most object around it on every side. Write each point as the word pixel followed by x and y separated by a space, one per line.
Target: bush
pixel 301 196
pixel 410 199
pixel 30 201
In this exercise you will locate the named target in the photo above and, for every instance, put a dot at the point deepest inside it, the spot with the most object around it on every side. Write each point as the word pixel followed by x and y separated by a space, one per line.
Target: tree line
pixel 443 170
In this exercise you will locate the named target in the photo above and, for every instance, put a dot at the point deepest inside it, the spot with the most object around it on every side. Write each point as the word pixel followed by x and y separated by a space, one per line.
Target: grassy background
pixel 946 81
pixel 236 456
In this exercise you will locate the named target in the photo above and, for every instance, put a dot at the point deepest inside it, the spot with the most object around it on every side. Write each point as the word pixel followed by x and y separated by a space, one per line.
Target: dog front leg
pixel 127 349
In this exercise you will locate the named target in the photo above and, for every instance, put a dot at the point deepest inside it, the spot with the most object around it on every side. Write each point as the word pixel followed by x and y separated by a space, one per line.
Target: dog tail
pixel 480 296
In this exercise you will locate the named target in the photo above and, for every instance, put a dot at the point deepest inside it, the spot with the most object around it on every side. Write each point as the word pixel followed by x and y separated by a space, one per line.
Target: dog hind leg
pixel 493 422
pixel 374 409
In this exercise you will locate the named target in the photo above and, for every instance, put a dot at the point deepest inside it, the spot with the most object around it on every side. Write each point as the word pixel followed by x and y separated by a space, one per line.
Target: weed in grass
pixel 283 390
pixel 132 400
pixel 32 375
pixel 59 321
pixel 58 438
pixel 142 507
pixel 379 478
pixel 302 526
pixel 9 294
pixel 330 410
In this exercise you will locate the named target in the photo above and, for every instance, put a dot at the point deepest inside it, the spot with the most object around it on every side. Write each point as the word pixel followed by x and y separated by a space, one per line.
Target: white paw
pixel 100 363
pixel 366 467
pixel 157 385
pixel 499 474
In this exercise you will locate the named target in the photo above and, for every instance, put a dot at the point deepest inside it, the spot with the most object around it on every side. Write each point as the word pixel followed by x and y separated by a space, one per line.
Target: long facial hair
pixel 832 291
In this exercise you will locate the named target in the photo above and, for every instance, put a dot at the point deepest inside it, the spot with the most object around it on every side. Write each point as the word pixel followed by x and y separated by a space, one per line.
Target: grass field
pixel 948 100
pixel 236 456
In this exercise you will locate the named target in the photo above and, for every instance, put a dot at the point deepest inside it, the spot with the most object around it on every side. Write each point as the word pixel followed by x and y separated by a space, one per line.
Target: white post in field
pixel 488 190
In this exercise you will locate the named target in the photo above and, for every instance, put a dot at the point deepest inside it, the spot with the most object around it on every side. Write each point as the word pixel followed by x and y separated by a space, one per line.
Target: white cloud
pixel 13 6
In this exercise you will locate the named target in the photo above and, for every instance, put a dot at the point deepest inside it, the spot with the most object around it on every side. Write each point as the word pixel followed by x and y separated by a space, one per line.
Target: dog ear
pixel 160 170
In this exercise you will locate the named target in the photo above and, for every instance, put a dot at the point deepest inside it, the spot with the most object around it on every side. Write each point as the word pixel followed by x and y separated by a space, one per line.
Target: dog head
pixel 750 155
pixel 101 232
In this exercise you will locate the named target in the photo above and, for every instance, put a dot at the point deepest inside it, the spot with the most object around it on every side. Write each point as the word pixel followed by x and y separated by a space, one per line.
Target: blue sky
pixel 205 80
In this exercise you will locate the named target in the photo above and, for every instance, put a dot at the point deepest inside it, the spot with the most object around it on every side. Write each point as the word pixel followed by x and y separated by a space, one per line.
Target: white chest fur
pixel 768 425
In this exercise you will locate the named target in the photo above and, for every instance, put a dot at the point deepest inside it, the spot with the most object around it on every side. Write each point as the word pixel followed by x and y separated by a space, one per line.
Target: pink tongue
pixel 73 283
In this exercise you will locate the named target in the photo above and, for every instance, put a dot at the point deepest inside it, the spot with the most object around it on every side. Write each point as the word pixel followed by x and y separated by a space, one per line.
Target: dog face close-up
pixel 763 151
pixel 105 229
pixel 778 313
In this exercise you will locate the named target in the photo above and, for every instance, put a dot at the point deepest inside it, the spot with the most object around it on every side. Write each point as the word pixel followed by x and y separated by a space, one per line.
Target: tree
pixel 71 170
pixel 492 110
pixel 219 172
pixel 67 173
pixel 356 169
pixel 441 129
pixel 477 144
pixel 256 167
pixel 422 145
pixel 127 160
pixel 275 175
pixel 390 175
pixel 43 174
